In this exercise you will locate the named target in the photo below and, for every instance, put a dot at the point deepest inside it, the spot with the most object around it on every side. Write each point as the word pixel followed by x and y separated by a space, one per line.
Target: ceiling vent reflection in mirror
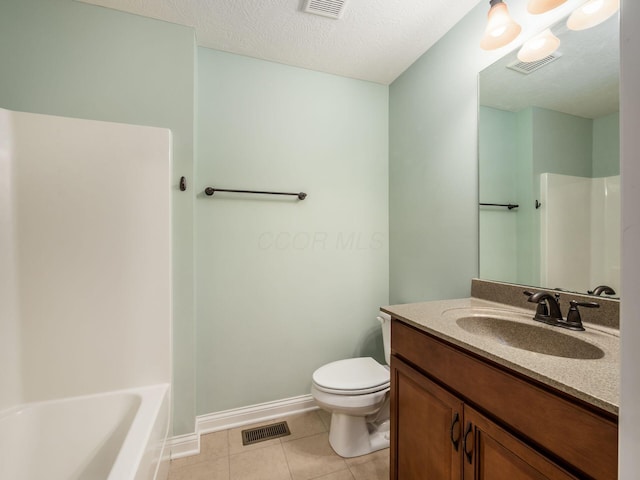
pixel 325 8
pixel 529 67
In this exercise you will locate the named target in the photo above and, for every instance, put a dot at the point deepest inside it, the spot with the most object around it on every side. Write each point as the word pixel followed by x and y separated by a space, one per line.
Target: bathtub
pixel 110 436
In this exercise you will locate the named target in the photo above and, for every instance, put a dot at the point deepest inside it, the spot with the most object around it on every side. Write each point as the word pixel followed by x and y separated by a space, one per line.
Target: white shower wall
pixel 605 232
pixel 85 250
pixel 580 232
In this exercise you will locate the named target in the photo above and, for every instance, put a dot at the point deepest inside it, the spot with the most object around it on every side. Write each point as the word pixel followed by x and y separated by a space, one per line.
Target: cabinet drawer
pixel 565 429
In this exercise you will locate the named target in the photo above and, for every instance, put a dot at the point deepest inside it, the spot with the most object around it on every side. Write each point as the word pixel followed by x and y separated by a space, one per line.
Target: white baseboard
pixel 186 445
pixel 238 417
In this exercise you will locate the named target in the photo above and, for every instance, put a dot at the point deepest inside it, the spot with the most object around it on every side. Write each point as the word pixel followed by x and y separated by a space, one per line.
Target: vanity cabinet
pixel 456 415
pixel 428 426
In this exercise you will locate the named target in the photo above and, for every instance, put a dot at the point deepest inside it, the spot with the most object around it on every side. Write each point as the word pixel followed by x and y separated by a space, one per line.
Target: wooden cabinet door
pixel 491 453
pixel 426 428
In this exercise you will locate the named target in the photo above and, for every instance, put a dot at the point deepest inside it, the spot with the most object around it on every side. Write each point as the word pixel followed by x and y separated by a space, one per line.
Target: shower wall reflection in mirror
pixel 549 143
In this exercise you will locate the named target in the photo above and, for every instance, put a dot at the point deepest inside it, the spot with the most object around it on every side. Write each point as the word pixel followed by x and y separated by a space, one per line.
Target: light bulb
pixel 592 13
pixel 501 28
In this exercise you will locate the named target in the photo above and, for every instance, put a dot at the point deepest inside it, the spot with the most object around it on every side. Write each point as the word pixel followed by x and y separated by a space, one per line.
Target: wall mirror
pixel 549 152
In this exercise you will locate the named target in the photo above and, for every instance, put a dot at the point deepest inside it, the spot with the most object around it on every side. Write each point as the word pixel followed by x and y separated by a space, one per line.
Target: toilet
pixel 356 393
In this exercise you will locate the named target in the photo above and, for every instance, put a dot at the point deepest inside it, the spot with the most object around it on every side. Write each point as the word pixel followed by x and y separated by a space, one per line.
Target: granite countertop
pixel 595 381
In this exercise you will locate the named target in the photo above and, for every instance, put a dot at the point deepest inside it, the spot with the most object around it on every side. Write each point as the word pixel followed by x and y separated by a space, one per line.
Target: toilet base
pixel 352 436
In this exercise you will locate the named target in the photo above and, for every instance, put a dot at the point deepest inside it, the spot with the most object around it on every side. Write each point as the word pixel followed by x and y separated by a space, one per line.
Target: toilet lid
pixel 351 374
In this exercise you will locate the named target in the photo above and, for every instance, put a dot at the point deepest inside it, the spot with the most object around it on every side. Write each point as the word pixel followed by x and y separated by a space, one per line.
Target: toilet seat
pixel 365 391
pixel 350 404
pixel 353 376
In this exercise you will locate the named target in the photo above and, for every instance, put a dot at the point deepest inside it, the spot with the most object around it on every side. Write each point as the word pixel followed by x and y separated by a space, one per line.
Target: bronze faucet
pixel 600 289
pixel 548 310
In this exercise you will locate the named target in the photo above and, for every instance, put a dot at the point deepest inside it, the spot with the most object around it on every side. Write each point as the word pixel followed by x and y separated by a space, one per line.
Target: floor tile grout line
pixel 286 459
pixel 228 453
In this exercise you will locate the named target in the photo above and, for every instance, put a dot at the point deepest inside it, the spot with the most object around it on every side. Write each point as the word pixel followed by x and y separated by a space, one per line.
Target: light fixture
pixel 501 28
pixel 592 13
pixel 539 47
pixel 543 6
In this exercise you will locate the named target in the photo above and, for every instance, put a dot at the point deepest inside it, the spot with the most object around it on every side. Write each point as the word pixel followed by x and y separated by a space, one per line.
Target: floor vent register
pixel 267 432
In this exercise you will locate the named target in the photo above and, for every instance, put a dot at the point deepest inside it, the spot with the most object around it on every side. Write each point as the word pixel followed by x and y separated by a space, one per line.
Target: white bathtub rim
pixel 139 434
pixel 23 407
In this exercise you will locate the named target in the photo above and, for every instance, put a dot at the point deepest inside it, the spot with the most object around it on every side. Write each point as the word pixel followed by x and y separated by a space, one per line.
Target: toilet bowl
pixel 356 393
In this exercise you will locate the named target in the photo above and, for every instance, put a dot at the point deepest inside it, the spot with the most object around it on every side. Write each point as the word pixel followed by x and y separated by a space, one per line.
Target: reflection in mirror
pixel 549 143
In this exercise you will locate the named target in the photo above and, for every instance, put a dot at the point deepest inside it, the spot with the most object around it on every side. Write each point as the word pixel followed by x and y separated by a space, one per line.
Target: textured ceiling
pixel 375 40
pixel 584 81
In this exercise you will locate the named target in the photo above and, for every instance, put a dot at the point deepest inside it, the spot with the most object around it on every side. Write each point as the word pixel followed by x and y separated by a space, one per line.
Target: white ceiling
pixel 375 40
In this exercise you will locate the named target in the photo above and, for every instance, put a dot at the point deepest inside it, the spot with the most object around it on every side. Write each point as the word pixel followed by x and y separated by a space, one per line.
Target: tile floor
pixel 303 455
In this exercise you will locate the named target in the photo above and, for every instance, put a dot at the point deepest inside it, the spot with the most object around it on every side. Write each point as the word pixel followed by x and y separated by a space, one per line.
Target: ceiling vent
pixel 325 8
pixel 529 67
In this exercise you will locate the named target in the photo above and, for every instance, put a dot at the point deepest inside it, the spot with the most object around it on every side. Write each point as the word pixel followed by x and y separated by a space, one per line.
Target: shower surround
pixel 85 242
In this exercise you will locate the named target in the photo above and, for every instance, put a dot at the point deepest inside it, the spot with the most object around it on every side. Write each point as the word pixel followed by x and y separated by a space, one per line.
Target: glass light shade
pixel 543 6
pixel 592 13
pixel 501 28
pixel 539 47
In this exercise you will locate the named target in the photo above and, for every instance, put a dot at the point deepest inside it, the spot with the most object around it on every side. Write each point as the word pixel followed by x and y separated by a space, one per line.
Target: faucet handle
pixel 574 321
pixel 575 304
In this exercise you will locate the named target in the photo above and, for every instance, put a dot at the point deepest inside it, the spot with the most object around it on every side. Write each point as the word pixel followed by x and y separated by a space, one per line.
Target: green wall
pixel 498 167
pixel 433 168
pixel 284 286
pixel 528 223
pixel 562 143
pixel 66 58
pixel 606 146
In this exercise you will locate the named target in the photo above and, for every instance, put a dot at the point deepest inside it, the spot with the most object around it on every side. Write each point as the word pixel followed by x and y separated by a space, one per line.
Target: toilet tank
pixel 385 321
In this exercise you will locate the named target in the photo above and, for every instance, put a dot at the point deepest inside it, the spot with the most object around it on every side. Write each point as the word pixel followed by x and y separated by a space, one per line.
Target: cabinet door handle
pixel 455 441
pixel 468 454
